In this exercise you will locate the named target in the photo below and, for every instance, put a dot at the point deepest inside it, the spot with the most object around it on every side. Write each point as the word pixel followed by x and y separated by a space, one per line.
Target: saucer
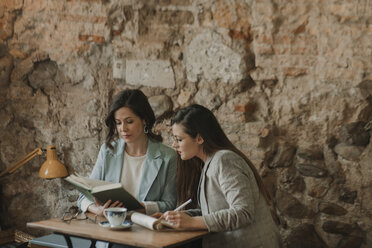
pixel 125 225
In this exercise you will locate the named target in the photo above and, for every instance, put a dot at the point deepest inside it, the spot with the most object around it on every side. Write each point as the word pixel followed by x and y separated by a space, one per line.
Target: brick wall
pixel 290 82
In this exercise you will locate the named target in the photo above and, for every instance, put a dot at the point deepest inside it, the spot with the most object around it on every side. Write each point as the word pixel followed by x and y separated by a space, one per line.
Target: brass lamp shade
pixel 52 167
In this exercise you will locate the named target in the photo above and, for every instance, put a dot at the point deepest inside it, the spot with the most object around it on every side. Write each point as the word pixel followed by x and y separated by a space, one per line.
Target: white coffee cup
pixel 115 216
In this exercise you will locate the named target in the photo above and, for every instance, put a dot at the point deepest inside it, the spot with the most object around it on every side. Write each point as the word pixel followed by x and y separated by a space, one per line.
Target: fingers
pixel 116 204
pixel 172 217
pixel 157 215
pixel 98 203
pixel 107 204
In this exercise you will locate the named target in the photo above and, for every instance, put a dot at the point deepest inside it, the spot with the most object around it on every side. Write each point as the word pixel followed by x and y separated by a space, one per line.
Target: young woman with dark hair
pixel 234 205
pixel 135 156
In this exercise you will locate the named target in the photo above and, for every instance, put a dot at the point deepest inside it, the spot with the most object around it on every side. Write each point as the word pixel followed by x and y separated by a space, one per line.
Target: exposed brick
pixel 83 18
pixel 116 32
pixel 240 34
pixel 175 17
pixel 175 2
pixel 344 9
pixel 248 111
pixel 84 37
pixel 98 39
pixel 17 54
pixel 254 128
pixel 265 50
pixel 150 16
pixel 265 39
pixel 39 56
pixel 82 48
pixel 249 107
pixel 235 18
pixel 301 28
pixel 153 25
pixel 304 50
pixel 294 71
pixel 281 49
pixel 303 40
pixel 93 1
pixel 11 5
pixel 283 39
pixel 6 26
pixel 94 38
pixel 205 18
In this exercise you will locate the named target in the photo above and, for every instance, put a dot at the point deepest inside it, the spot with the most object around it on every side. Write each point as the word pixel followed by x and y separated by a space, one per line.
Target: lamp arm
pixel 19 163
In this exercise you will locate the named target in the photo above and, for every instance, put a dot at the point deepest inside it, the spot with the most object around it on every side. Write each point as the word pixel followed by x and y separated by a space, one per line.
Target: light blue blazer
pixel 158 182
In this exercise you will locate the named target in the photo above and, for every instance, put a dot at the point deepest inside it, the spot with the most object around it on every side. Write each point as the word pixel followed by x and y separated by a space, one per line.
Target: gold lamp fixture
pixel 51 168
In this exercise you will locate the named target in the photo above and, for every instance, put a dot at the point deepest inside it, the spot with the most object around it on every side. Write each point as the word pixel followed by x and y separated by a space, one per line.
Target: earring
pixel 145 129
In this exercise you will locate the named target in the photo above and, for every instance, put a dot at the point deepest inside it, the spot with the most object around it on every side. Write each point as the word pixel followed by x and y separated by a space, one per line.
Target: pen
pixel 178 208
pixel 182 205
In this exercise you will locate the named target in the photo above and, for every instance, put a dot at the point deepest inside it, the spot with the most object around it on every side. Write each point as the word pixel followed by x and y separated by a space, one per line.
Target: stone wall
pixel 290 82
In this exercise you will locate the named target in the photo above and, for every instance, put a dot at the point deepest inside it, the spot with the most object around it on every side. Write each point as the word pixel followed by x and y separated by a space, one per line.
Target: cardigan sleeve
pixel 82 202
pixel 238 186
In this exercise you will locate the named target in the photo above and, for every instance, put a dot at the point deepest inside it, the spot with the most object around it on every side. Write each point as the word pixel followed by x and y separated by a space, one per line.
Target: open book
pixel 151 222
pixel 104 191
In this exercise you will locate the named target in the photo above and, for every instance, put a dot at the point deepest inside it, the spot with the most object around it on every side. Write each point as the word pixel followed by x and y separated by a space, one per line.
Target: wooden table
pixel 135 236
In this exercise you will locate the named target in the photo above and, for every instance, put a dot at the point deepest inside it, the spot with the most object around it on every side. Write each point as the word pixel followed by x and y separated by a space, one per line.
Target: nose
pixel 122 127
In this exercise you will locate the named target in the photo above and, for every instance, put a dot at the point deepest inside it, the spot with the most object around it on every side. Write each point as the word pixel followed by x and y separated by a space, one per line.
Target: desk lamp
pixel 51 168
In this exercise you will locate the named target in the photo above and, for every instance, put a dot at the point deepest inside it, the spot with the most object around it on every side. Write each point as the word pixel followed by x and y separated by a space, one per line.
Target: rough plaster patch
pixel 155 73
pixel 207 57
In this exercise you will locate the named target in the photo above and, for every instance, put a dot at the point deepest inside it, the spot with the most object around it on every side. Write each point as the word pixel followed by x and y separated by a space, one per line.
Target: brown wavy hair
pixel 136 101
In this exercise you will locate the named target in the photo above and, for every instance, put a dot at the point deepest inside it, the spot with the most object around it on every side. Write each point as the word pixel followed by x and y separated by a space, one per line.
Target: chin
pixel 183 157
pixel 126 139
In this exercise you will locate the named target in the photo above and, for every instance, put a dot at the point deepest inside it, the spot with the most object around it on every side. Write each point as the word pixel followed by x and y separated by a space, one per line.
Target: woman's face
pixel 186 146
pixel 129 125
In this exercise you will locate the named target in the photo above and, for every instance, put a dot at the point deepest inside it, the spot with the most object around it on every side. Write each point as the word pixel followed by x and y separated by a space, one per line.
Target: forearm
pixel 93 208
pixel 197 223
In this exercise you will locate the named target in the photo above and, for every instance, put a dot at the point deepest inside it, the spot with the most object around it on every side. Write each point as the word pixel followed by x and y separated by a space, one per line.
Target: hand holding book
pixel 104 191
pixel 98 208
pixel 151 222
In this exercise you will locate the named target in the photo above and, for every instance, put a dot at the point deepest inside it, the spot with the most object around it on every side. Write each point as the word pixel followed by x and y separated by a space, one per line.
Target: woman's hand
pixel 157 215
pixel 181 220
pixel 98 208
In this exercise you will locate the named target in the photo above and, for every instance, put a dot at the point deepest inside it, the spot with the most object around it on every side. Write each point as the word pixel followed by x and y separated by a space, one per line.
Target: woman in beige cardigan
pixel 234 205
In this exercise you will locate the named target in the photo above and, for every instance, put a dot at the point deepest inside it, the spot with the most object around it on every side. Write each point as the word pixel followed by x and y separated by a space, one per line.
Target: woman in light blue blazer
pixel 135 156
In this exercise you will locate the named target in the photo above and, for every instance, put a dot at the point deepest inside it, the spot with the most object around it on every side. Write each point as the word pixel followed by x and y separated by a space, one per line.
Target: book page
pixel 85 181
pixel 107 186
pixel 150 222
pixel 77 181
pixel 143 220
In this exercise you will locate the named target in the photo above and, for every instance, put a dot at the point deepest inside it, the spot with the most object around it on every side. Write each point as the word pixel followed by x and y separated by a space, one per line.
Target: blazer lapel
pixel 150 169
pixel 116 162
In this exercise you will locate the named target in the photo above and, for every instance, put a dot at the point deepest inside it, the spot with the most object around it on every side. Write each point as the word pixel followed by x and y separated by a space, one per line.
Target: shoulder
pixel 168 150
pixel 227 160
pixel 159 149
pixel 226 155
pixel 118 146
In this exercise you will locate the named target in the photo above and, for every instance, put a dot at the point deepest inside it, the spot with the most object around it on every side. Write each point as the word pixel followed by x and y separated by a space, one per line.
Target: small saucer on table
pixel 125 225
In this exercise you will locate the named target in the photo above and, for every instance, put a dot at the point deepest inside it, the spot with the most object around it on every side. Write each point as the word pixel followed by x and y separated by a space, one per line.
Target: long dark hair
pixel 197 119
pixel 136 101
pixel 188 176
